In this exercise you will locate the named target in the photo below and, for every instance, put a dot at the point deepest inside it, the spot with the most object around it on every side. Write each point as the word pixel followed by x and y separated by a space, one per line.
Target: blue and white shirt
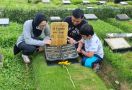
pixel 94 45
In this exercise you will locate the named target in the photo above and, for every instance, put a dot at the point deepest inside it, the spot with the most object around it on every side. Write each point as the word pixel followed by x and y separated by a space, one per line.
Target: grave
pixel 46 1
pixel 119 35
pixel 4 21
pixel 122 17
pixel 59 49
pixel 86 2
pixel 101 2
pixel 55 19
pixel 90 16
pixel 90 7
pixel 123 3
pixel 66 1
pixel 117 44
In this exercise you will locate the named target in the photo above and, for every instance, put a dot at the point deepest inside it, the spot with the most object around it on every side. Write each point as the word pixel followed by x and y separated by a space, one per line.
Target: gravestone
pixel 1 62
pixel 101 2
pixel 90 16
pixel 55 19
pixel 4 21
pixel 59 49
pixel 119 35
pixel 90 7
pixel 122 17
pixel 59 32
pixel 123 3
pixel 86 2
pixel 66 1
pixel 46 1
pixel 118 44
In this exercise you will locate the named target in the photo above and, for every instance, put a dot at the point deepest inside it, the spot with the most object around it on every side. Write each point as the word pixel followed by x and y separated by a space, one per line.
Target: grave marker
pixel 55 19
pixel 90 16
pixel 122 17
pixel 66 1
pixel 118 44
pixel 4 21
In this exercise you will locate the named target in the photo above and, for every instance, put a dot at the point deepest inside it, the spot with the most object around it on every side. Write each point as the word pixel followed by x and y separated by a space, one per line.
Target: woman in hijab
pixel 35 34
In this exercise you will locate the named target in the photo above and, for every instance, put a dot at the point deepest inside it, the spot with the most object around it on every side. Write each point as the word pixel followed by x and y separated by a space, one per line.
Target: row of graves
pixel 85 2
pixel 59 49
pixel 118 42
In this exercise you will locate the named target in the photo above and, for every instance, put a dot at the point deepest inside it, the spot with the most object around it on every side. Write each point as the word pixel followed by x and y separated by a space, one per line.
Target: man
pixel 74 24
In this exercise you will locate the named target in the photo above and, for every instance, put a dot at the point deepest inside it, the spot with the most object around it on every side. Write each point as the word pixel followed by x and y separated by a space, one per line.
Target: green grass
pixel 126 26
pixel 15 75
pixel 9 34
pixel 121 62
pixel 56 77
pixel 23 4
pixel 101 28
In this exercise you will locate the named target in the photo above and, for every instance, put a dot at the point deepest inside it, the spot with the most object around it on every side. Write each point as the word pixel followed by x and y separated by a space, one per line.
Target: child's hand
pixel 79 50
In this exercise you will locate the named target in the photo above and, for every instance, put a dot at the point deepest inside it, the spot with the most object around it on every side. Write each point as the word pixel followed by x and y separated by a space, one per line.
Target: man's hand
pixel 71 41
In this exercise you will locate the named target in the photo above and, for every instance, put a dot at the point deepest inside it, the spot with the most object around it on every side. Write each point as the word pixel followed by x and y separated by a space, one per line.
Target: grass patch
pixel 119 61
pixel 14 75
pixel 56 77
pixel 9 34
pixel 126 26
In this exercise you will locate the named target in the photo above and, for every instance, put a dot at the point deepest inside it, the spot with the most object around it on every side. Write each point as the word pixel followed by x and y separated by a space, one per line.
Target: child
pixel 93 53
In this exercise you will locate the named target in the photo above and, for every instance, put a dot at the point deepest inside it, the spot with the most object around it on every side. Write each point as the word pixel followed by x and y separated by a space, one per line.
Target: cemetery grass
pixel 16 75
pixel 122 62
pixel 23 4
pixel 40 76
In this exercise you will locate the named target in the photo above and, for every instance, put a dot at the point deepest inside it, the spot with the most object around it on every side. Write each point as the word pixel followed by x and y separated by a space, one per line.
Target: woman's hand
pixel 47 42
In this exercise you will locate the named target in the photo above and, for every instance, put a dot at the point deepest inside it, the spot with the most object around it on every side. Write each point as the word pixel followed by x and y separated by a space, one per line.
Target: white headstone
pixel 119 35
pixel 90 7
pixel 90 16
pixel 101 2
pixel 122 17
pixel 45 1
pixel 86 2
pixel 4 21
pixel 117 43
pixel 123 3
pixel 66 1
pixel 55 18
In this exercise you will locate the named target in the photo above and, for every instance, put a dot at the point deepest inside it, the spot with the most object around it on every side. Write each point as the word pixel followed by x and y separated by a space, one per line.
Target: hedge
pixel 20 15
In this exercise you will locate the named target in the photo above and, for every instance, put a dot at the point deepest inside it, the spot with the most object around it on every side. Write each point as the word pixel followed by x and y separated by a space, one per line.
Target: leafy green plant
pixel 126 26
pixel 76 1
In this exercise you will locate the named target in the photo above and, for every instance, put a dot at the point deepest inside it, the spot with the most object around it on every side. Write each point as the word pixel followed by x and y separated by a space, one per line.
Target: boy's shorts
pixel 89 61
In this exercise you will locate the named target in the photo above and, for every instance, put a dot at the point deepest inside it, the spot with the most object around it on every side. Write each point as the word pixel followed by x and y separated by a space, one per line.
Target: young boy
pixel 93 53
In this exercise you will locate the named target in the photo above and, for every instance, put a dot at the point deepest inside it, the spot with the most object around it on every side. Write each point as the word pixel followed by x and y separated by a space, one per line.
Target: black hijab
pixel 36 21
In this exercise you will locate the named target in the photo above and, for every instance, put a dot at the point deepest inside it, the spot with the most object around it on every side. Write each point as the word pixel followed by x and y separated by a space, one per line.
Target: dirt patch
pixel 110 77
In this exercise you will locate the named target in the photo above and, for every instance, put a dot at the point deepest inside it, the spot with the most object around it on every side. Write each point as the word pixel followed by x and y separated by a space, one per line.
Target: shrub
pixel 76 1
